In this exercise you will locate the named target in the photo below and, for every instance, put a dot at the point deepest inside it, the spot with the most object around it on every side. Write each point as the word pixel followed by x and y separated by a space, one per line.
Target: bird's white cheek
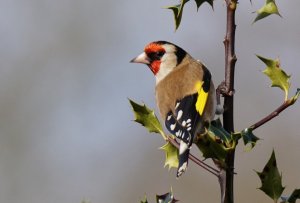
pixel 168 62
pixel 162 73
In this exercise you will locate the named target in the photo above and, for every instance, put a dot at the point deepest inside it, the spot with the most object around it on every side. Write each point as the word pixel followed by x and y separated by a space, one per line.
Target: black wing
pixel 183 121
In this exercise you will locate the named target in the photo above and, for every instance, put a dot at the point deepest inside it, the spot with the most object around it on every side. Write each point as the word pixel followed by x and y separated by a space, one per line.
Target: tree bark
pixel 228 92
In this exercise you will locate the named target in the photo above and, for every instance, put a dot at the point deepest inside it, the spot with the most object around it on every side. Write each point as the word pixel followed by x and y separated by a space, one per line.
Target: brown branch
pixel 275 113
pixel 196 160
pixel 227 91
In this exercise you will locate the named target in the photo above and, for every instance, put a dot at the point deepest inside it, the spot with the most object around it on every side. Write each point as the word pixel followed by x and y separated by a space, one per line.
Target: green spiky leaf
pixel 172 155
pixel 178 9
pixel 212 146
pixel 278 76
pixel 200 2
pixel 147 118
pixel 292 198
pixel 166 198
pixel 249 138
pixel 177 12
pixel 218 130
pixel 145 200
pixel 269 8
pixel 271 179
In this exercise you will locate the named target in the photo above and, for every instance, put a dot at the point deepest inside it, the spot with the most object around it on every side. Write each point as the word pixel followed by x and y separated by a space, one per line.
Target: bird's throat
pixel 155 66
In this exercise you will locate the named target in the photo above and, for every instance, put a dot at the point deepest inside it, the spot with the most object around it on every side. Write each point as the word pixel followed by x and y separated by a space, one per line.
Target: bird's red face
pixel 151 56
pixel 161 57
pixel 154 52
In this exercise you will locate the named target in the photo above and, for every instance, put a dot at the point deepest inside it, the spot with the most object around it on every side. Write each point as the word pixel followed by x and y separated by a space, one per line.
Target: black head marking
pixel 180 53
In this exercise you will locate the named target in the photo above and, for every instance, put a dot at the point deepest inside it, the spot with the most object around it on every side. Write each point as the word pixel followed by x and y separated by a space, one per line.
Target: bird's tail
pixel 184 151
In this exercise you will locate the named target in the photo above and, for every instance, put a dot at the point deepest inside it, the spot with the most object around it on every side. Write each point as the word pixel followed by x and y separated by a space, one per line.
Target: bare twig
pixel 275 113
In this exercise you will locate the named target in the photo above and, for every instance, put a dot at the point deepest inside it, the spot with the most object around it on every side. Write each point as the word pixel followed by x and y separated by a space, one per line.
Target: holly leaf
pixel 178 9
pixel 216 142
pixel 166 198
pixel 172 155
pixel 217 129
pixel 177 12
pixel 291 199
pixel 269 8
pixel 249 138
pixel 200 2
pixel 278 76
pixel 145 200
pixel 147 118
pixel 212 146
pixel 271 180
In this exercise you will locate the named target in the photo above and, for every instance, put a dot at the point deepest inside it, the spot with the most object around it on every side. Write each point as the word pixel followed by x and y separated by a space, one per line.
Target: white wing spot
pixel 189 128
pixel 182 136
pixel 177 104
pixel 169 117
pixel 183 123
pixel 172 127
pixel 189 120
pixel 179 114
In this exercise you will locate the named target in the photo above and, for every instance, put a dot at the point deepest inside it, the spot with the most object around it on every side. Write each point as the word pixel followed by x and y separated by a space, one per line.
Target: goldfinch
pixel 185 93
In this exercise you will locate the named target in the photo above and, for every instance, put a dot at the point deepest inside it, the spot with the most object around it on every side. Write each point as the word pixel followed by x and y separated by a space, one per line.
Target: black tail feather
pixel 183 162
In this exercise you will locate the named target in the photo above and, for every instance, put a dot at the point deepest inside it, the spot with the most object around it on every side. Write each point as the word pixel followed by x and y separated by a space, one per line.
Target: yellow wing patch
pixel 202 97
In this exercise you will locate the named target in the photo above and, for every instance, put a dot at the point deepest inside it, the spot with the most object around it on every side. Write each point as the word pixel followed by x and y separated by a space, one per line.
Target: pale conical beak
pixel 142 58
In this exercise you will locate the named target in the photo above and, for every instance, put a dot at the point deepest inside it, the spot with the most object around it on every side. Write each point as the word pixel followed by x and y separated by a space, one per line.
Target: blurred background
pixel 66 129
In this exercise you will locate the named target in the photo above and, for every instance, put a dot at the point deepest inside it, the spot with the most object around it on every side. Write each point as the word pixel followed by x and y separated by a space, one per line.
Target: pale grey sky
pixel 66 130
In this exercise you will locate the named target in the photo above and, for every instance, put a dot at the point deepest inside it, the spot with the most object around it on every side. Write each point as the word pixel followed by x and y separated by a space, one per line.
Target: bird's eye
pixel 159 54
pixel 156 55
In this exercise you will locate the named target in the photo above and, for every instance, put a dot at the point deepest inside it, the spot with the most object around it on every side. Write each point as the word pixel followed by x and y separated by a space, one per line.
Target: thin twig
pixel 196 160
pixel 275 113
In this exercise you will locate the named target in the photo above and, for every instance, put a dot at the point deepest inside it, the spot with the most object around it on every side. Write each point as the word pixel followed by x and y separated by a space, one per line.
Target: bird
pixel 184 91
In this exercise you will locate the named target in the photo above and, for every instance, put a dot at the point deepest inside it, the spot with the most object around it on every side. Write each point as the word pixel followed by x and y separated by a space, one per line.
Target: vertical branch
pixel 227 92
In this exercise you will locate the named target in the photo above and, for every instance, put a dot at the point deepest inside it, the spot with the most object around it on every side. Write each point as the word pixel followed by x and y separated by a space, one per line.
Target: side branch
pixel 275 113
